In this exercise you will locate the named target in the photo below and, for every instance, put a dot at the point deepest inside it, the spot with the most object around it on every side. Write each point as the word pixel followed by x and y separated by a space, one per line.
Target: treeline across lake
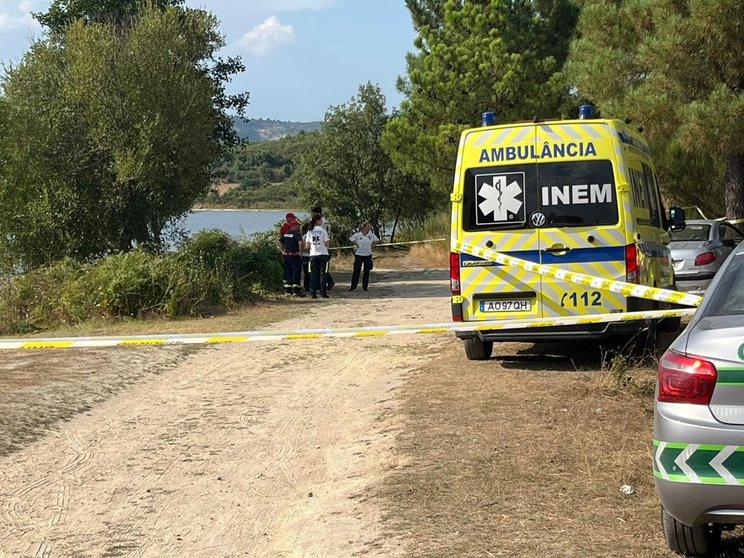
pixel 259 175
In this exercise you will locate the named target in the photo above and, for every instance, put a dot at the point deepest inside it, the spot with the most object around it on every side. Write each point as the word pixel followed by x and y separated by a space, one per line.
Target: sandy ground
pixel 379 447
pixel 235 450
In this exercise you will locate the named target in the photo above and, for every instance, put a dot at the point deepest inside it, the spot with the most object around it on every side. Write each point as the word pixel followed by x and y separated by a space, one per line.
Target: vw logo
pixel 537 219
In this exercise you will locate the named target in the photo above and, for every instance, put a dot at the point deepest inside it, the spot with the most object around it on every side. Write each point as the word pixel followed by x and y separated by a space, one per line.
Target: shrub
pixel 209 274
pixel 434 225
pixel 37 299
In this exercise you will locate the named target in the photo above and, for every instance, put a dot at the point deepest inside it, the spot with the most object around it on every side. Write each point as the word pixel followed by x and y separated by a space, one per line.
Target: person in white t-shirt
pixel 327 226
pixel 318 240
pixel 364 240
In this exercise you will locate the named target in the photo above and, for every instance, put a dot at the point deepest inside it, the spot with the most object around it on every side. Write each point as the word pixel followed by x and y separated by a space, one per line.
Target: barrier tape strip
pixel 372 331
pixel 393 244
pixel 627 289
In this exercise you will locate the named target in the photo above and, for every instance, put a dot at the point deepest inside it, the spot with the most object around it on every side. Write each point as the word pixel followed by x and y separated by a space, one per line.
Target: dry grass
pixel 524 456
pixel 433 255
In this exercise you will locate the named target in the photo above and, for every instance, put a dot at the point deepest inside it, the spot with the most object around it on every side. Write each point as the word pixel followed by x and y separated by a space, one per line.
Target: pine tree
pixel 472 56
pixel 675 67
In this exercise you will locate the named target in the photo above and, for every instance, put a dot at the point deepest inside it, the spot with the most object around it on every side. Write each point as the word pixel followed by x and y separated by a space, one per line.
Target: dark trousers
pixel 292 273
pixel 328 277
pixel 319 266
pixel 360 261
pixel 306 272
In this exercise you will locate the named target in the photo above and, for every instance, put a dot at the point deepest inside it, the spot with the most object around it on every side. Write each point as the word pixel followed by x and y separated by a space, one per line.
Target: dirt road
pixel 240 450
pixel 379 447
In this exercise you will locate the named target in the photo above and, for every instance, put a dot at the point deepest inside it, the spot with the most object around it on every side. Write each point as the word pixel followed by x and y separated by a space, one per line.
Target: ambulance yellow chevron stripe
pixel 622 287
pixel 358 332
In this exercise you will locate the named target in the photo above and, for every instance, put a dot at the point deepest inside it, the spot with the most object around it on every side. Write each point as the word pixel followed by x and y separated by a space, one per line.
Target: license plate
pixel 519 305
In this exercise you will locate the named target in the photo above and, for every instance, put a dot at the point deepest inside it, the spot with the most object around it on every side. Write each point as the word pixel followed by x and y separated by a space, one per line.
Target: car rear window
pixel 726 297
pixel 691 232
pixel 571 194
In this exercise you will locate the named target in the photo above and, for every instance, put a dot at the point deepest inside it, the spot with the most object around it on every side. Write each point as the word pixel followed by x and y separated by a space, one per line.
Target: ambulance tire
pixel 476 349
pixel 649 337
pixel 670 325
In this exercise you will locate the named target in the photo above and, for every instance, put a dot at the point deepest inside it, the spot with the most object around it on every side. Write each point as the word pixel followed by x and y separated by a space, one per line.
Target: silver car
pixel 699 419
pixel 699 251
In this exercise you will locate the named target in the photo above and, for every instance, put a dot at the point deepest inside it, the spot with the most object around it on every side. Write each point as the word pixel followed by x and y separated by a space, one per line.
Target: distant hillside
pixel 261 129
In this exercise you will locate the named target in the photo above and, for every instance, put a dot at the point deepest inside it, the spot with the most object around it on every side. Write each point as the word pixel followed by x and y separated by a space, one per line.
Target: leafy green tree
pixel 349 174
pixel 674 66
pixel 120 13
pixel 107 135
pixel 472 56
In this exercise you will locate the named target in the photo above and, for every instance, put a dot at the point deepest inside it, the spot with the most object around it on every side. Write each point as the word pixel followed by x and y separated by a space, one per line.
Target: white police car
pixel 699 420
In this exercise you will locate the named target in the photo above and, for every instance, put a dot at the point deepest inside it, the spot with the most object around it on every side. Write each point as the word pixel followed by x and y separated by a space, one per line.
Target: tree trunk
pixel 395 225
pixel 734 180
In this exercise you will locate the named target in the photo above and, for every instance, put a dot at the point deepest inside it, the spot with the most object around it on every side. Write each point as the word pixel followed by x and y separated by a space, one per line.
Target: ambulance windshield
pixel 571 194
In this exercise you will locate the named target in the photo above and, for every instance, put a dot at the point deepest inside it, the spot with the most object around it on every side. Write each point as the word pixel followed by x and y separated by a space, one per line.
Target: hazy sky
pixel 301 56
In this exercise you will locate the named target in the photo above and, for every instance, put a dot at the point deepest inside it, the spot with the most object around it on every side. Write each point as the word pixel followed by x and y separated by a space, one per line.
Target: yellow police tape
pixel 626 289
pixel 373 331
pixel 388 245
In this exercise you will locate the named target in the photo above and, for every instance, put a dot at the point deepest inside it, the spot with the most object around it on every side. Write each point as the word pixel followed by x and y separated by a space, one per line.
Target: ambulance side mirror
pixel 676 219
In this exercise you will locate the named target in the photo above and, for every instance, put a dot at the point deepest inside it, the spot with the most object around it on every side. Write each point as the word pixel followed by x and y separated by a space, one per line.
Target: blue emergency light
pixel 585 111
pixel 489 118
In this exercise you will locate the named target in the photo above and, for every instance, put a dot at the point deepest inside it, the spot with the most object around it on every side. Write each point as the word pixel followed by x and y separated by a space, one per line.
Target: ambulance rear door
pixel 499 193
pixel 579 216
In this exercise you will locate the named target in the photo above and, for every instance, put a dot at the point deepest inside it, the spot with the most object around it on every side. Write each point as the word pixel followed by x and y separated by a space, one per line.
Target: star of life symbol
pixel 500 194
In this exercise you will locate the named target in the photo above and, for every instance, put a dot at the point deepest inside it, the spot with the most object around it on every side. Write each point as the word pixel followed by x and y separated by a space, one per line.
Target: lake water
pixel 236 223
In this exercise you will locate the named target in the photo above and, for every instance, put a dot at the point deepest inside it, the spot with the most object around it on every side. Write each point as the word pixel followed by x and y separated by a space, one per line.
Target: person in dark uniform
pixel 306 271
pixel 291 241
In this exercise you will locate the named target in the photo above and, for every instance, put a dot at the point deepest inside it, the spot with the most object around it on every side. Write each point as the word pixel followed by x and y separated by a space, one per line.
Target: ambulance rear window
pixel 571 194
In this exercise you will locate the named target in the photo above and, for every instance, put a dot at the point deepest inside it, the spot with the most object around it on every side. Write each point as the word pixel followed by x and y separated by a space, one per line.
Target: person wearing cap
pixel 290 239
pixel 364 240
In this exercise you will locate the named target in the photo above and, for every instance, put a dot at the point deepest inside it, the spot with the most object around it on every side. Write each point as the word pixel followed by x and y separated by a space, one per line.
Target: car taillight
pixel 705 258
pixel 631 263
pixel 685 379
pixel 455 273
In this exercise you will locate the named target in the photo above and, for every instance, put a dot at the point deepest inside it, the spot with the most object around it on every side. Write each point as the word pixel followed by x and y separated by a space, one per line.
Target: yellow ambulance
pixel 580 195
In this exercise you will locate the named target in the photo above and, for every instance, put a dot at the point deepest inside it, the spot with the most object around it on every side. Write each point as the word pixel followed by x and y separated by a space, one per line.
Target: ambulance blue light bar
pixel 489 118
pixel 585 111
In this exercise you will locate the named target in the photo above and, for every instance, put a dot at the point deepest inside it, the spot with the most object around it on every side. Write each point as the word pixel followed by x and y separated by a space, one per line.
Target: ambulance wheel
pixel 670 325
pixel 477 349
pixel 649 337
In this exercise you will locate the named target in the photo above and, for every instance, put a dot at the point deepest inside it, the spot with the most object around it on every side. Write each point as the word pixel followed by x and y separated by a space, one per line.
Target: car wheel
pixel 701 541
pixel 476 349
